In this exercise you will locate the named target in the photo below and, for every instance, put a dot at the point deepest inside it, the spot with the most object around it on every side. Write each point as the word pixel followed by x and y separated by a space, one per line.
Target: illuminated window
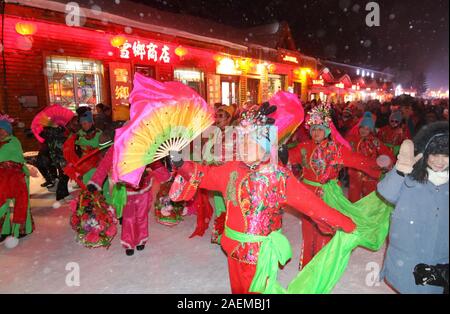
pixel 372 75
pixel 363 73
pixel 74 82
pixel 357 72
pixel 192 78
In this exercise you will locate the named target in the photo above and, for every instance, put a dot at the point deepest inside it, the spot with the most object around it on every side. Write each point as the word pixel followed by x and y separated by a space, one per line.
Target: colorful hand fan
pixel 52 116
pixel 163 117
pixel 288 116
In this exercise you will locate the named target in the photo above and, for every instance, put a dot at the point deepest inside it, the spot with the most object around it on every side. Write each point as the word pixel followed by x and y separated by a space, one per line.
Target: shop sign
pixel 143 51
pixel 290 59
pixel 120 81
pixel 340 85
pixel 318 82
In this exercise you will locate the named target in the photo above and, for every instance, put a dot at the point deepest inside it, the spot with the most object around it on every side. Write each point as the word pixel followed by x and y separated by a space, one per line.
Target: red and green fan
pixel 51 116
pixel 164 117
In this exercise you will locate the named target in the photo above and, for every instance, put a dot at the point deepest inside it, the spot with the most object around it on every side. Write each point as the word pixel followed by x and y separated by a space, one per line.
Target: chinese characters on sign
pixel 151 51
pixel 120 79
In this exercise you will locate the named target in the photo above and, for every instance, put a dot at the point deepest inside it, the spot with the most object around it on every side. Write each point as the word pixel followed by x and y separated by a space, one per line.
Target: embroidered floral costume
pixel 254 201
pixel 321 163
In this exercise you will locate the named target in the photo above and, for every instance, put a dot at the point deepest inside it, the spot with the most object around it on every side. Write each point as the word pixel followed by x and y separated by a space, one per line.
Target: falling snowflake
pixel 392 16
pixel 356 8
pixel 96 9
pixel 117 1
pixel 128 30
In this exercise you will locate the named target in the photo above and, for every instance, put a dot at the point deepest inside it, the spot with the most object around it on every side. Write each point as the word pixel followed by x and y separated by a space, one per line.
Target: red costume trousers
pixel 360 185
pixel 135 220
pixel 313 240
pixel 13 186
pixel 241 276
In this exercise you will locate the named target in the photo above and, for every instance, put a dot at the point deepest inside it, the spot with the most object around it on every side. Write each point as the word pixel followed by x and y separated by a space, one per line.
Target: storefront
pixel 84 66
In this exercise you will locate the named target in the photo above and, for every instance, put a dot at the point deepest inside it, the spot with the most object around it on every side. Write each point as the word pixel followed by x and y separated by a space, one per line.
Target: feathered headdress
pixel 319 115
pixel 283 113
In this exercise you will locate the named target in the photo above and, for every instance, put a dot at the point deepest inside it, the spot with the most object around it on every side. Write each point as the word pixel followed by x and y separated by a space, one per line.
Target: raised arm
pixel 299 197
pixel 360 162
pixel 213 178
pixel 103 169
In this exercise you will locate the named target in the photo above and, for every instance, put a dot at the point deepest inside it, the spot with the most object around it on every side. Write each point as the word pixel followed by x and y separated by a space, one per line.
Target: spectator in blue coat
pixel 419 231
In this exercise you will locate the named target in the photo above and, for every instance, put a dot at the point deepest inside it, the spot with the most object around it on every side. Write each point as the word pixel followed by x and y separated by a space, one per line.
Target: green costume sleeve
pixel 371 216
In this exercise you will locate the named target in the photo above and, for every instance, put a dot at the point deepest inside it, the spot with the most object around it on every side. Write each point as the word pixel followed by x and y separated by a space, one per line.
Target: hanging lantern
pixel 25 28
pixel 180 51
pixel 272 68
pixel 118 41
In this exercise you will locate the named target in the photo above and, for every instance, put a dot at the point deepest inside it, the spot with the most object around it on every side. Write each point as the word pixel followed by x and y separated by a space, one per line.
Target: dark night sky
pixel 412 37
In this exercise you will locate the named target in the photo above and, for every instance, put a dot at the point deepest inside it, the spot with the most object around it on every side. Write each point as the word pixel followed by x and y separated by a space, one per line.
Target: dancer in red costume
pixel 393 134
pixel 321 158
pixel 365 142
pixel 255 191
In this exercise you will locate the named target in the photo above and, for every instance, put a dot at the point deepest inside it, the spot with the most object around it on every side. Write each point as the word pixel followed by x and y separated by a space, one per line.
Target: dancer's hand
pixel 406 159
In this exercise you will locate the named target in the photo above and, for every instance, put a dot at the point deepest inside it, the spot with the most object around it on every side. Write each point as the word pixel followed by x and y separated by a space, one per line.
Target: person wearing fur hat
pixel 321 158
pixel 14 185
pixel 393 134
pixel 419 232
pixel 255 191
pixel 365 142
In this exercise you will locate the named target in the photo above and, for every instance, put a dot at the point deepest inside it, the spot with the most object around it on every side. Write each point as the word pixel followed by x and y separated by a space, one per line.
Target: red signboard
pixel 120 80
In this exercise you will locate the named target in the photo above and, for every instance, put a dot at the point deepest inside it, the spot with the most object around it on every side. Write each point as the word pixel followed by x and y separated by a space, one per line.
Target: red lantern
pixel 25 28
pixel 180 51
pixel 118 41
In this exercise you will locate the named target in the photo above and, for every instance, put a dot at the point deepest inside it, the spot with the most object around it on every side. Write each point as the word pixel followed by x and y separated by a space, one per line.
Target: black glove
pixel 432 275
pixel 283 154
pixel 92 188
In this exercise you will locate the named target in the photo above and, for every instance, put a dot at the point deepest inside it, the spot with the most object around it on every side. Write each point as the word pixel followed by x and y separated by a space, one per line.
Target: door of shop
pixel 252 90
pixel 230 90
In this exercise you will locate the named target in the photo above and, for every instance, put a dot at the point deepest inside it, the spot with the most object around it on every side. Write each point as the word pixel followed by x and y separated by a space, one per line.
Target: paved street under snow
pixel 171 262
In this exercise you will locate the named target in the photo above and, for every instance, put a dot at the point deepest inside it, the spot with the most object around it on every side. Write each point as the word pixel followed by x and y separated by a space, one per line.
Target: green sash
pixel 275 249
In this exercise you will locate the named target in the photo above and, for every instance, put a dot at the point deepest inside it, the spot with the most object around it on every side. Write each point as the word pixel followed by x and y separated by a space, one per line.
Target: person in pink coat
pixel 136 200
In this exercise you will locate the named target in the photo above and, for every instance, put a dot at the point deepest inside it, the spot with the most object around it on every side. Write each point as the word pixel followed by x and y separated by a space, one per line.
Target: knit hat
pixel 87 117
pixel 367 120
pixel 396 115
pixel 5 123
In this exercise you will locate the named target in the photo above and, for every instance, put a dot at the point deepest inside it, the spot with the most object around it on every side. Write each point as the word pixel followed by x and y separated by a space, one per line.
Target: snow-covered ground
pixel 170 263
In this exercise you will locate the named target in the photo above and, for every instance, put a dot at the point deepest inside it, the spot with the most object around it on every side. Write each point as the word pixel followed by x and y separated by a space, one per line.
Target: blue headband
pixel 5 125
pixel 87 117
